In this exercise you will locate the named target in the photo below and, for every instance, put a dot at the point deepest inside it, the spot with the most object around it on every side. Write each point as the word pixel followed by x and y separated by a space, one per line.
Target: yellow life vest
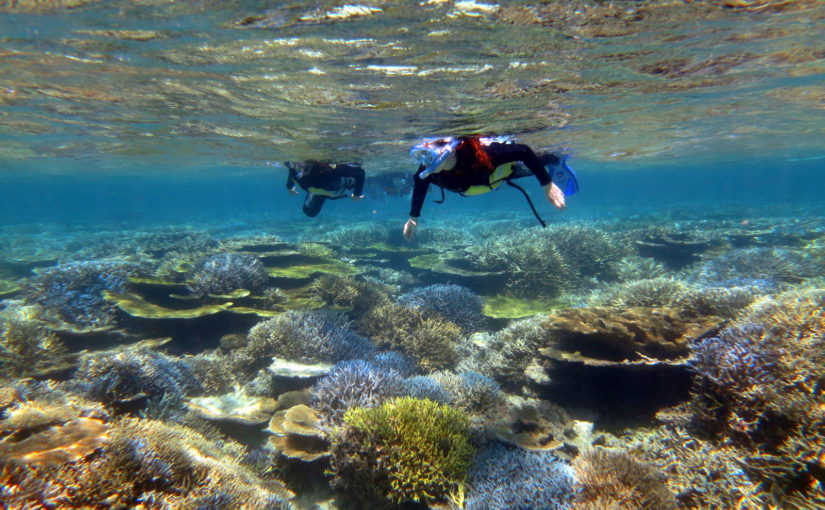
pixel 325 192
pixel 498 176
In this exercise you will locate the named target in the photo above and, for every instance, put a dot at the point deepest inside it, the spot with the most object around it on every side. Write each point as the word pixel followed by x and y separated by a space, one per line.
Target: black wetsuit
pixel 334 182
pixel 460 178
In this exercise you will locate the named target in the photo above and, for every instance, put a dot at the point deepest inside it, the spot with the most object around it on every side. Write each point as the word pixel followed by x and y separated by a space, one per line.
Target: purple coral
pixel 455 303
pixel 510 478
pixel 73 292
pixel 354 383
pixel 225 272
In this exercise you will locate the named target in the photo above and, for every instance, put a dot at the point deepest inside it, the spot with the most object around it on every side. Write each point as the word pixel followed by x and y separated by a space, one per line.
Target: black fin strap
pixel 443 198
pixel 532 207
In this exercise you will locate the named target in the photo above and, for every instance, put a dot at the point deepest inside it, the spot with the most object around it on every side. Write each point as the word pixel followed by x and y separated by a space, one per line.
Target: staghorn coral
pixel 73 293
pixel 691 462
pixel 506 354
pixel 470 391
pixel 226 272
pixel 505 477
pixel 396 361
pixel 428 340
pixel 650 292
pixel 588 251
pixel 306 337
pixel 426 387
pixel 405 450
pixel 351 384
pixel 534 265
pixel 775 264
pixel 726 302
pixel 118 378
pixel 613 479
pixel 22 486
pixel 347 291
pixel 454 303
pixel 310 249
pixel 28 348
pixel 758 386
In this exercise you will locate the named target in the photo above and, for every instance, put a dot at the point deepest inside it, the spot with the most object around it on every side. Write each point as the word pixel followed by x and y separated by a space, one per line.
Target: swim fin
pixel 563 176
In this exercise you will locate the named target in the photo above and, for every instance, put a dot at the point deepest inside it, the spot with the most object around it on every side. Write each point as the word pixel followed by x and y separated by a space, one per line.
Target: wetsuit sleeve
pixel 502 153
pixel 357 173
pixel 420 187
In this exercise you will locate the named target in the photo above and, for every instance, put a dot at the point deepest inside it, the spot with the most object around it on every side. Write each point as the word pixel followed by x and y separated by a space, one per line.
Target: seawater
pixel 152 136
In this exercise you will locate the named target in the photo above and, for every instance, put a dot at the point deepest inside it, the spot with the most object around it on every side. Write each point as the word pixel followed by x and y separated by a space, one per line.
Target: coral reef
pixel 777 264
pixel 427 339
pixel 347 291
pixel 505 354
pixel 123 379
pixel 471 392
pixel 28 348
pixel 758 386
pixel 612 479
pixel 506 477
pixel 351 384
pixel 404 450
pixel 297 433
pixel 726 302
pixel 652 292
pixel 454 303
pixel 701 474
pixel 626 334
pixel 72 293
pixel 226 272
pixel 305 336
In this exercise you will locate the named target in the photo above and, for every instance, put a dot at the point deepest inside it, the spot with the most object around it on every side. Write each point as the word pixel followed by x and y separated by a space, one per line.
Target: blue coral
pixel 510 478
pixel 73 292
pixel 425 387
pixel 355 383
pixel 311 337
pixel 396 361
pixel 225 272
pixel 115 377
pixel 455 303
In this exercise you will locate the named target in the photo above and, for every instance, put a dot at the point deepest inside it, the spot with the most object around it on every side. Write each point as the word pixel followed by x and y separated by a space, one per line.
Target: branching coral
pixel 405 450
pixel 769 263
pixel 506 354
pixel 701 474
pixel 73 292
pixel 225 272
pixel 306 337
pixel 347 291
pixel 534 265
pixel 510 478
pixel 590 252
pixel 652 292
pixel 427 339
pixel 354 384
pixel 470 391
pixel 612 479
pixel 725 302
pixel 122 377
pixel 28 348
pixel 760 387
pixel 455 303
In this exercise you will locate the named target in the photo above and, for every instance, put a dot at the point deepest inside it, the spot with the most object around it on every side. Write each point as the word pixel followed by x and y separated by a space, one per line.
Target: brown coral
pixel 297 434
pixel 611 479
pixel 427 338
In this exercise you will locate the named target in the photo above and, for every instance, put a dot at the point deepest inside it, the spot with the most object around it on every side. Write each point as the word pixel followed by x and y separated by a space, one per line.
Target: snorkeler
pixel 472 165
pixel 324 181
pixel 394 184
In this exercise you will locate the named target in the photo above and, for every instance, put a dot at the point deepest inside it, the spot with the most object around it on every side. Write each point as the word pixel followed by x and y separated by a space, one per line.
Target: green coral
pixel 405 450
pixel 427 338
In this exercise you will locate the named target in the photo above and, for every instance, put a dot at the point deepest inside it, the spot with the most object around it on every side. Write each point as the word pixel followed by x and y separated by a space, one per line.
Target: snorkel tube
pixel 427 154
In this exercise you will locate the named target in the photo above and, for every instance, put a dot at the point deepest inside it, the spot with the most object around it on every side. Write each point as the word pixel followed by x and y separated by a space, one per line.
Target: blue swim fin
pixel 564 177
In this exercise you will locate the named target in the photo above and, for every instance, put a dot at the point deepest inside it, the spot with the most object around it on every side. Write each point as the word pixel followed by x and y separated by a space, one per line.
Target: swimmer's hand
pixel 356 198
pixel 409 228
pixel 555 195
pixel 294 191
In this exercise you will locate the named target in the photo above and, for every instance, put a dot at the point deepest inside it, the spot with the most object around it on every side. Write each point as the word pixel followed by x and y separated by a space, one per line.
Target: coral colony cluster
pixel 573 367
